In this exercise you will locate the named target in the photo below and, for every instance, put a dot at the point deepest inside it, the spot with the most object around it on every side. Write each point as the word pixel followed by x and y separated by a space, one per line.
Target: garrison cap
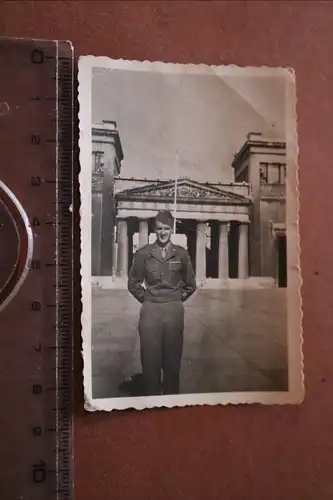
pixel 165 217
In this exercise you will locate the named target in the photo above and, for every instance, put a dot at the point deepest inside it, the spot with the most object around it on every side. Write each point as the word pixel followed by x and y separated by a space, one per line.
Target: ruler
pixel 36 240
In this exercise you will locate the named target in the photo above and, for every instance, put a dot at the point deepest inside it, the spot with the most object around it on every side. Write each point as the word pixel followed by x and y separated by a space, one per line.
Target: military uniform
pixel 168 282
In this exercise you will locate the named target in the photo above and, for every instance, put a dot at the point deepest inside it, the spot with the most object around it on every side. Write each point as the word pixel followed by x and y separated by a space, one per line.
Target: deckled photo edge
pixel 295 393
pixel 294 303
pixel 84 115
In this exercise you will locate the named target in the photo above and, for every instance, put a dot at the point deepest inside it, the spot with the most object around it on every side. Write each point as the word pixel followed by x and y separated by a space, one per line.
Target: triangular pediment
pixel 187 190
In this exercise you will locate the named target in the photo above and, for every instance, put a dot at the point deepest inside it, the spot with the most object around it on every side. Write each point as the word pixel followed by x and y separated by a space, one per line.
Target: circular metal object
pixel 16 245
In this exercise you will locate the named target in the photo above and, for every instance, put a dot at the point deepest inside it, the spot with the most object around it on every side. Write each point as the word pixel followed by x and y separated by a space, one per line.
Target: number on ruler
pixel 37 389
pixel 34 264
pixel 35 222
pixel 38 472
pixel 37 431
pixel 35 181
pixel 35 139
pixel 37 56
pixel 36 306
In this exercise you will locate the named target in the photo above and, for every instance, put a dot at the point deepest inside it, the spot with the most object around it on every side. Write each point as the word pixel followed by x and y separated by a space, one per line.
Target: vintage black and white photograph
pixel 189 235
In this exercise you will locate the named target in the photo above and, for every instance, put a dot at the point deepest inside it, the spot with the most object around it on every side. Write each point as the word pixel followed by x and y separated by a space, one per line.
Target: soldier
pixel 166 272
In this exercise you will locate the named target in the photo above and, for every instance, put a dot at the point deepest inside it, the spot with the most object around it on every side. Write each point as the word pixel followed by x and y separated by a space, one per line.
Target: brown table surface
pixel 219 452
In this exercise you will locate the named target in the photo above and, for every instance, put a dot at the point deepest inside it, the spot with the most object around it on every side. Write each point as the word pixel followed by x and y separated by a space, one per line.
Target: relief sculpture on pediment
pixel 186 190
pixel 183 192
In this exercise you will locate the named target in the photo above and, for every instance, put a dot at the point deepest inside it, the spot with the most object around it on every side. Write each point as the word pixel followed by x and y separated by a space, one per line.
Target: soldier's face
pixel 163 233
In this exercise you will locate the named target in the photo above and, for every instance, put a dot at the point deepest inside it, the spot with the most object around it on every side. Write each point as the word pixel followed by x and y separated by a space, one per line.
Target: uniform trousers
pixel 161 327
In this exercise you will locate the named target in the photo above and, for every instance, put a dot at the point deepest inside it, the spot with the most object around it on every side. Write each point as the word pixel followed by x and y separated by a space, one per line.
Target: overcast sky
pixel 203 117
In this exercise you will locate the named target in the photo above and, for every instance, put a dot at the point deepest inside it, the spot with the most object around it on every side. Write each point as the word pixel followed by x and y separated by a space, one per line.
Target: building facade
pixel 232 231
pixel 107 155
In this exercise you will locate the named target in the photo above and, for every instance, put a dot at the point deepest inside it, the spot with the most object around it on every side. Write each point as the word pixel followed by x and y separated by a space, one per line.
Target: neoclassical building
pixel 232 231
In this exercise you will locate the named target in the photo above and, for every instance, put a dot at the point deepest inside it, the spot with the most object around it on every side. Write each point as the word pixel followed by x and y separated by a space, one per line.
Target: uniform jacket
pixel 165 280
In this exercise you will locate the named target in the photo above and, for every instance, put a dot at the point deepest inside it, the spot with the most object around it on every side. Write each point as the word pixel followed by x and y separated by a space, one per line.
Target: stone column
pixel 223 251
pixel 243 249
pixel 191 243
pixel 214 249
pixel 200 266
pixel 114 253
pixel 143 233
pixel 108 210
pixel 96 231
pixel 122 259
pixel 130 248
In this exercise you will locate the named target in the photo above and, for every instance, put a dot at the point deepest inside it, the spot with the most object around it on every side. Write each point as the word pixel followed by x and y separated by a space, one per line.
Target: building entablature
pixel 256 143
pixel 189 199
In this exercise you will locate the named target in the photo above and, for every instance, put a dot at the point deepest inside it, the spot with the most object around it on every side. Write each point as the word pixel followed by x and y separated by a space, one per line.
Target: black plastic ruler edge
pixel 64 265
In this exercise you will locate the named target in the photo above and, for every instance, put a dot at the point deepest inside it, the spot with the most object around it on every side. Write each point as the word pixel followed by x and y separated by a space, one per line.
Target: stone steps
pixel 111 283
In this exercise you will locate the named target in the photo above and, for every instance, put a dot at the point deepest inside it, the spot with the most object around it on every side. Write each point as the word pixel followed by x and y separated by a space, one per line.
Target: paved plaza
pixel 234 340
